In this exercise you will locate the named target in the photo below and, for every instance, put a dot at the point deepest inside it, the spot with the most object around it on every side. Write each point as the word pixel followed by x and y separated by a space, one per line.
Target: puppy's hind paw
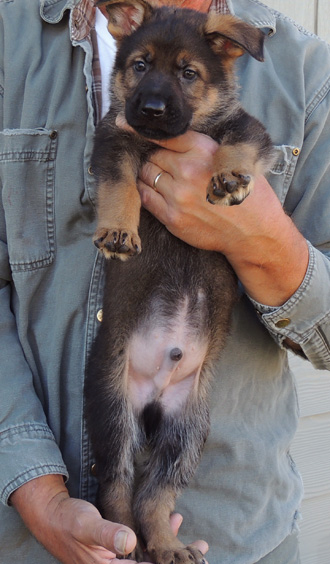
pixel 184 555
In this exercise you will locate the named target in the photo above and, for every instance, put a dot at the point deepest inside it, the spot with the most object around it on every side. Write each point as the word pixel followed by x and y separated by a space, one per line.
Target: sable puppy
pixel 166 310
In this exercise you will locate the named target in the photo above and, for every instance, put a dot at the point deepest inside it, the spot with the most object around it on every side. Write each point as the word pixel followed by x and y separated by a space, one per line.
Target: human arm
pixel 267 252
pixel 271 257
pixel 72 529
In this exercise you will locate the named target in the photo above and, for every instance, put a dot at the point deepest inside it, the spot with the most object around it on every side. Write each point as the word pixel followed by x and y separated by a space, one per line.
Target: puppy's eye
pixel 189 74
pixel 140 66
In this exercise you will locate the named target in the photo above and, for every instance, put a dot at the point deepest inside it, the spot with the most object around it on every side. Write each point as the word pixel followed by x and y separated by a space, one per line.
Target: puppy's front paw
pixel 228 188
pixel 117 243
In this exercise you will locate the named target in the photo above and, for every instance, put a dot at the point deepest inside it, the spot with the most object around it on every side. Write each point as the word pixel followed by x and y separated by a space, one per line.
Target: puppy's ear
pixel 231 37
pixel 125 16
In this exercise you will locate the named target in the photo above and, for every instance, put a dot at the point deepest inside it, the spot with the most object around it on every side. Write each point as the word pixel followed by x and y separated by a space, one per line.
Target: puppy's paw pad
pixel 117 243
pixel 228 188
pixel 185 555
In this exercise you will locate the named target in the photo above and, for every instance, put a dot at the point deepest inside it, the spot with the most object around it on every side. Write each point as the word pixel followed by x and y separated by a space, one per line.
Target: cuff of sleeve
pixel 27 452
pixel 304 318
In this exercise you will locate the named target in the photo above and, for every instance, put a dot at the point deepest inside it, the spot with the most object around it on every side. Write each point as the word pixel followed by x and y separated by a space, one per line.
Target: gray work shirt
pixel 244 499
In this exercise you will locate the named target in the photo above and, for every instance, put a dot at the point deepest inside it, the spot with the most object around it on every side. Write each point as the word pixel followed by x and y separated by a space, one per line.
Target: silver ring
pixel 156 180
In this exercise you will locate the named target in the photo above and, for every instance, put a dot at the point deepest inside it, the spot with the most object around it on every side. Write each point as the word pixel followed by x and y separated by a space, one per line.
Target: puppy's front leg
pixel 118 207
pixel 245 152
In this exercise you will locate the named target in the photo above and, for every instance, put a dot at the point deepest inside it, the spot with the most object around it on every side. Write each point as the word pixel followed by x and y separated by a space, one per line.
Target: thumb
pixel 117 538
pixel 92 529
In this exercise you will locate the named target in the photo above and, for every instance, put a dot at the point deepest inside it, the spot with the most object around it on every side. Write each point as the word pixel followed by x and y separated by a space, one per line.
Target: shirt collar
pixel 255 13
pixel 82 18
pixel 83 14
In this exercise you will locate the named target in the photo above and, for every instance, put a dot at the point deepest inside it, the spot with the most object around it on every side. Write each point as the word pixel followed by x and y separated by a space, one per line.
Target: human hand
pixel 73 530
pixel 260 241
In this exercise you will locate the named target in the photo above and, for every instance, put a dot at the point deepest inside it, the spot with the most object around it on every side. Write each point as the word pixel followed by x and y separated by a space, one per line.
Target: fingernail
pixel 120 541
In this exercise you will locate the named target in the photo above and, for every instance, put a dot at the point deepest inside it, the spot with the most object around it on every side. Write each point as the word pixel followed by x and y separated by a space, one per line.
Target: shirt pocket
pixel 281 173
pixel 27 170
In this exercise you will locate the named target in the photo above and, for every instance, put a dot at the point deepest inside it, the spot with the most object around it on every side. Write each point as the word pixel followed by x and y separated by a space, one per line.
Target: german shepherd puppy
pixel 167 309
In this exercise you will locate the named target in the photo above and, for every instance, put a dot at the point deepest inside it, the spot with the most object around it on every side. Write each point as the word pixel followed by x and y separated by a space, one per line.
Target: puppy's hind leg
pixel 115 437
pixel 175 449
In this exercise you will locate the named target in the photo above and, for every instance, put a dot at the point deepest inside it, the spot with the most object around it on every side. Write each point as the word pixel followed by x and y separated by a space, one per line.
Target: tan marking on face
pixel 208 99
pixel 184 59
pixel 146 52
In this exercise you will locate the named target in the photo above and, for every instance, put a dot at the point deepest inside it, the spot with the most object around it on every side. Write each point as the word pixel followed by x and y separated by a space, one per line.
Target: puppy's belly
pixel 165 361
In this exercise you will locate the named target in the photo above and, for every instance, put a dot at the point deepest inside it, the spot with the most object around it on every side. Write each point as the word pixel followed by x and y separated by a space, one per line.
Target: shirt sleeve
pixel 27 445
pixel 305 317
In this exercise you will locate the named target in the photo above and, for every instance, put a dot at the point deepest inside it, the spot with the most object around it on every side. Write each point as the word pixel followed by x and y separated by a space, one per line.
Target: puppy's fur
pixel 166 310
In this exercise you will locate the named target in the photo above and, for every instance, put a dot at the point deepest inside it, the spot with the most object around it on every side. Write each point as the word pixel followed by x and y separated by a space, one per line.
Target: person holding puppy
pixel 245 497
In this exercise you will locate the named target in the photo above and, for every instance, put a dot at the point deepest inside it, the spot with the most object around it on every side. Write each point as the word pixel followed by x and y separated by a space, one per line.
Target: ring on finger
pixel 156 180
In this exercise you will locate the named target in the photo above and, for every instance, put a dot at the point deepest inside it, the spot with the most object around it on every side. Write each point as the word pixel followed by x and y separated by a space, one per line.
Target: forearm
pixel 33 499
pixel 270 256
pixel 270 260
pixel 266 250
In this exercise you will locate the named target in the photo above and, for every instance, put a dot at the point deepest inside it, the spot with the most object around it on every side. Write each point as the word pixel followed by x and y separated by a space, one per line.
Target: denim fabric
pixel 286 553
pixel 244 499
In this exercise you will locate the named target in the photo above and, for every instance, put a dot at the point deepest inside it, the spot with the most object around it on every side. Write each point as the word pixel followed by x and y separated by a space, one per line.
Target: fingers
pixel 180 144
pixel 201 545
pixel 192 150
pixel 156 178
pixel 176 522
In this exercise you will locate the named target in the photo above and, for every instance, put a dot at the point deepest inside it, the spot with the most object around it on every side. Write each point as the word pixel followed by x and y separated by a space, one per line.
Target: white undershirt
pixel 107 51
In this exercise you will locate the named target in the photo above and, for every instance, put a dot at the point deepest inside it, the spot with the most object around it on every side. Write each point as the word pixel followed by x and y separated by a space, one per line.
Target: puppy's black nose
pixel 153 107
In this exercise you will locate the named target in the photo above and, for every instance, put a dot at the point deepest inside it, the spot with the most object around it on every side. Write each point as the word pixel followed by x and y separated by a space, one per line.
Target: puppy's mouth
pixel 154 118
pixel 158 134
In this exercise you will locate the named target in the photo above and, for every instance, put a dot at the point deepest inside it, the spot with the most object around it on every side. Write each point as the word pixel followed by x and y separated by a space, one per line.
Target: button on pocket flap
pixel 27 144
pixel 27 166
pixel 281 173
pixel 284 155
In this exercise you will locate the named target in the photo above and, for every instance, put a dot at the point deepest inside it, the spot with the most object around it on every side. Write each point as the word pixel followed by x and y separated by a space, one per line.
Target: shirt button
pixel 281 323
pixel 90 170
pixel 99 315
pixel 296 151
pixel 53 134
pixel 93 470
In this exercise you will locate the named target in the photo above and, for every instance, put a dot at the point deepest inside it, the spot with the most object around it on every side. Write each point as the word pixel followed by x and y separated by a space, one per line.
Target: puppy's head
pixel 174 67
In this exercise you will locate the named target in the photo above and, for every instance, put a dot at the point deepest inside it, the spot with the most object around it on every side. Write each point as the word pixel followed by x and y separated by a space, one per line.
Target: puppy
pixel 167 309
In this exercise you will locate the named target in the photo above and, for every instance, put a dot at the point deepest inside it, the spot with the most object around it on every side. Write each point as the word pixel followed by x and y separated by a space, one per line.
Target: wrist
pixel 272 273
pixel 33 498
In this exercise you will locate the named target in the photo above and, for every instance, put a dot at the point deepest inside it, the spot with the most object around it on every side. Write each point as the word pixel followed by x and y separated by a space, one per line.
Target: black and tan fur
pixel 173 72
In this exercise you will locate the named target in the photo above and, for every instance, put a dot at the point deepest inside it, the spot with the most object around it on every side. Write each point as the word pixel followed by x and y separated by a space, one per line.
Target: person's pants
pixel 286 553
